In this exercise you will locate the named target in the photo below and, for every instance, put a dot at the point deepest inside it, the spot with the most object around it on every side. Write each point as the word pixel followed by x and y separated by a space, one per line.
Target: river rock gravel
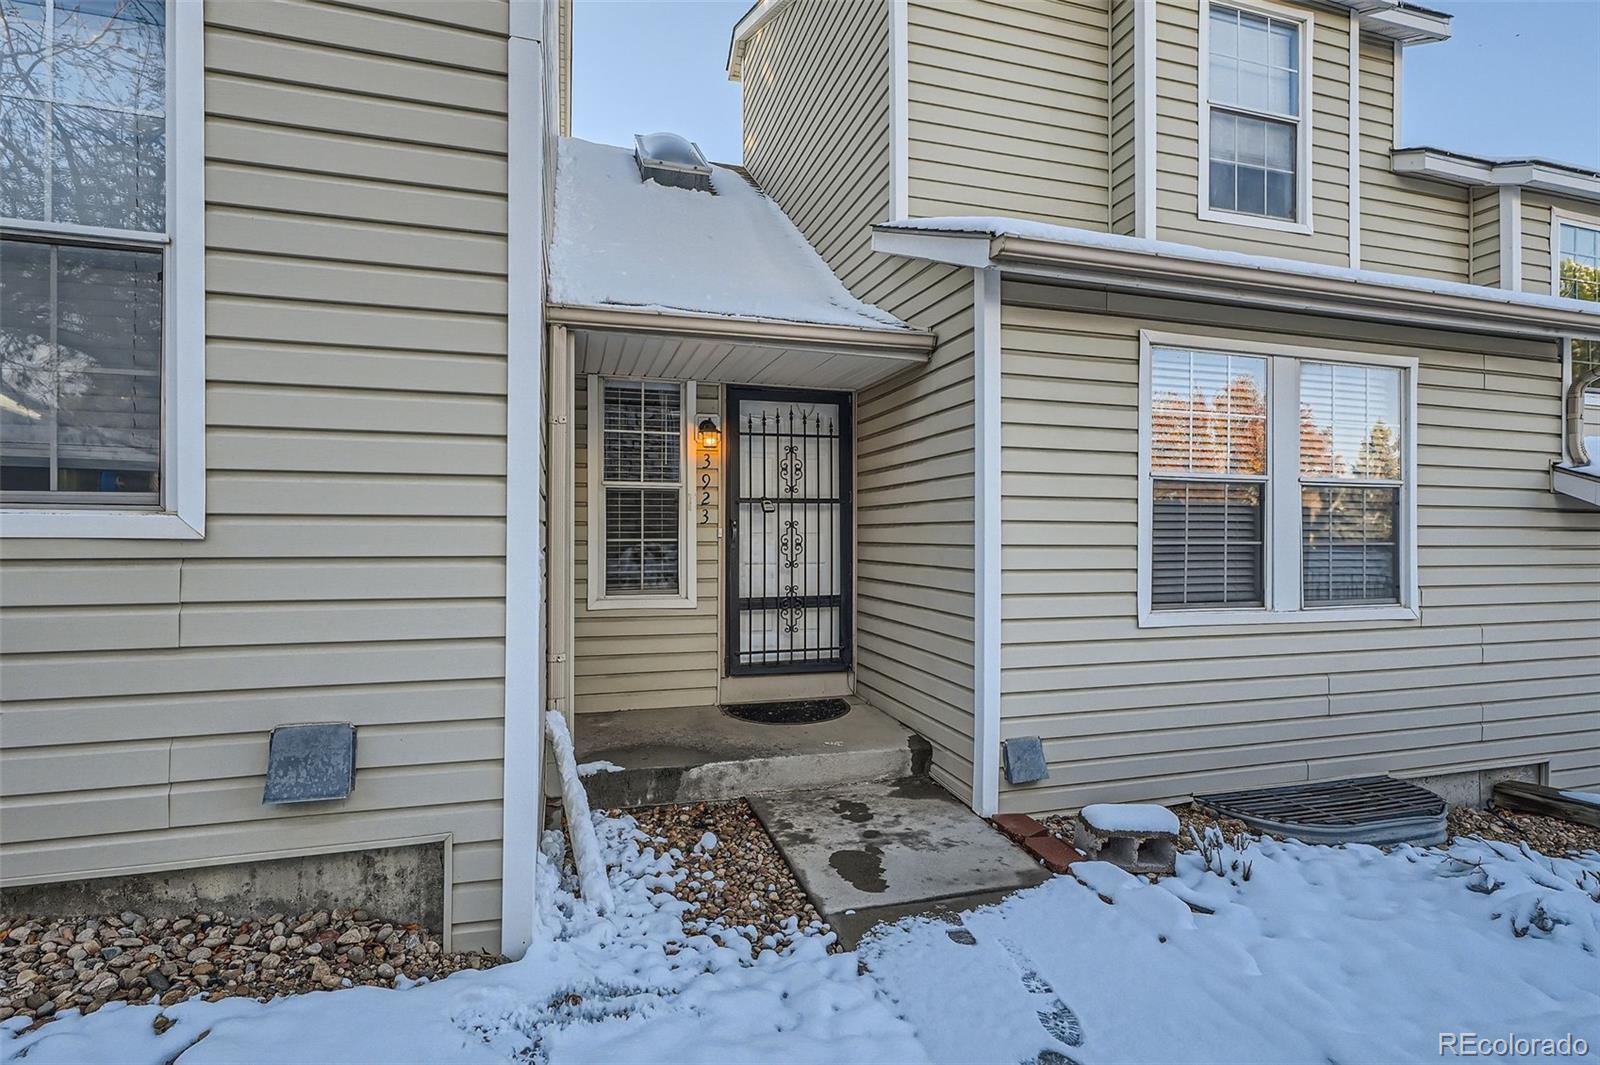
pixel 51 965
pixel 736 879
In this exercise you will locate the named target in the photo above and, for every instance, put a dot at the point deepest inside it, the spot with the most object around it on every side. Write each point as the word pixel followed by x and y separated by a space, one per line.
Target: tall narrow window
pixel 642 440
pixel 1274 487
pixel 1253 106
pixel 1208 458
pixel 1350 484
pixel 83 250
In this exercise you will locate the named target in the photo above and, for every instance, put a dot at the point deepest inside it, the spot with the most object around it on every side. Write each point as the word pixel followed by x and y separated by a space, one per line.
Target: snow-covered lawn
pixel 1319 954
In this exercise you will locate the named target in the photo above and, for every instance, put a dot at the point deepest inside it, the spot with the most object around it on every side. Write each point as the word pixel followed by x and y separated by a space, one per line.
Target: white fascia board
pixel 1407 25
pixel 1535 174
pixel 1574 484
pixel 760 13
pixel 955 248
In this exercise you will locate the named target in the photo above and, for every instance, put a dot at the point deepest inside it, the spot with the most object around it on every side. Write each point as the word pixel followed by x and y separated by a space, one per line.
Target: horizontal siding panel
pixel 25 630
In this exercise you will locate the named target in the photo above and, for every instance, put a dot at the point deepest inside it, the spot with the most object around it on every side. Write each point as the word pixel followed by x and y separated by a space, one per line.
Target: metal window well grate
pixel 1375 810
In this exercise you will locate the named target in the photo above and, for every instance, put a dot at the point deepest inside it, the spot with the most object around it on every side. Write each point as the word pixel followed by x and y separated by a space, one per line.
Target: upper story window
pixel 1254 132
pixel 1275 485
pixel 84 250
pixel 1578 250
pixel 640 540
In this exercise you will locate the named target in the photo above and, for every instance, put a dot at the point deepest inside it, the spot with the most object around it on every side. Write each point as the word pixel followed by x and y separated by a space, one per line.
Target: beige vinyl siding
pixel 816 125
pixel 1504 668
pixel 914 514
pixel 352 568
pixel 1179 112
pixel 1123 108
pixel 816 114
pixel 1008 110
pixel 637 659
pixel 1485 208
pixel 1408 225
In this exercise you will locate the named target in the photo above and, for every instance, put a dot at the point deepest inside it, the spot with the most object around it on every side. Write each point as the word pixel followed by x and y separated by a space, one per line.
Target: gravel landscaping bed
pixel 736 878
pixel 52 965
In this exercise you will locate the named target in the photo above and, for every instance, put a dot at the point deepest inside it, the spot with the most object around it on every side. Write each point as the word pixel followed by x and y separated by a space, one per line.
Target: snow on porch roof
pixel 623 243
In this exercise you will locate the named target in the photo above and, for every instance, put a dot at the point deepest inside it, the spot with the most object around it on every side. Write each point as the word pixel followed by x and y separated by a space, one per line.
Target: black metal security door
pixel 789 526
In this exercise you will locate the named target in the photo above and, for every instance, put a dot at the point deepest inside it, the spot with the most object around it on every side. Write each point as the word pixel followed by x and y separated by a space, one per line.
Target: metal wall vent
pixel 311 763
pixel 1376 810
pixel 669 159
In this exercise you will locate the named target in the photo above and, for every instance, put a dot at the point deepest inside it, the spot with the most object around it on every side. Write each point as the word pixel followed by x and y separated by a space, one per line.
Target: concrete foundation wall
pixel 397 883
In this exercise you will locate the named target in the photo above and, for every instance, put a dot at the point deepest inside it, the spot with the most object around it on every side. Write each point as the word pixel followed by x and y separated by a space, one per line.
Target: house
pixel 272 338
pixel 1102 372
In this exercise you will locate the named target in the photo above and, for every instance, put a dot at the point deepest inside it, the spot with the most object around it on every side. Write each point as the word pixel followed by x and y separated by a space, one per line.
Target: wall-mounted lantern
pixel 708 436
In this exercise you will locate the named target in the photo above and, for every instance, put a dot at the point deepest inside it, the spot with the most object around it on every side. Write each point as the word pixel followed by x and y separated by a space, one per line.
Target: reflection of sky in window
pixel 1221 400
pixel 1346 403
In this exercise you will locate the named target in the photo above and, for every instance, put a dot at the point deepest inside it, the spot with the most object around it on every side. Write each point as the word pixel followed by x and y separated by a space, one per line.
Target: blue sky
pixel 1519 78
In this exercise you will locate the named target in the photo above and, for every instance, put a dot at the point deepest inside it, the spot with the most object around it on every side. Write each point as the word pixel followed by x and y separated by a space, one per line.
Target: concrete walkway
pixel 875 852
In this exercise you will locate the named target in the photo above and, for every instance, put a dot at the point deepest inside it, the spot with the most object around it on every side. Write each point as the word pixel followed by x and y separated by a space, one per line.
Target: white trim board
pixel 523 751
pixel 899 111
pixel 183 369
pixel 1144 119
pixel 1354 141
pixel 1281 508
pixel 1510 238
pixel 986 541
pixel 595 522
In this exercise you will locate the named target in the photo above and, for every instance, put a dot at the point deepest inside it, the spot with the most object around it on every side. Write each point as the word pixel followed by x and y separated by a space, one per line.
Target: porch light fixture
pixel 707 435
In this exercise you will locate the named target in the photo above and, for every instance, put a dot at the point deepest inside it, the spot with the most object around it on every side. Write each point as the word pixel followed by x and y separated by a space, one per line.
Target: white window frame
pixel 595 572
pixel 1281 535
pixel 1558 218
pixel 1303 222
pixel 182 511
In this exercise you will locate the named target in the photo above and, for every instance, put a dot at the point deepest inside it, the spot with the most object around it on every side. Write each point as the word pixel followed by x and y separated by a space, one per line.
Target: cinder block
pixel 1137 853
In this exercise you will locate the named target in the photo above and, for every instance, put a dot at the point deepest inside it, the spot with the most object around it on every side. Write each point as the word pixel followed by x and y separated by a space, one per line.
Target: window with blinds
pixel 642 435
pixel 1208 458
pixel 83 250
pixel 1234 442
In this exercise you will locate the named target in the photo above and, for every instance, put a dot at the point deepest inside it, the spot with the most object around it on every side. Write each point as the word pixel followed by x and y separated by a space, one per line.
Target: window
pixel 1579 250
pixel 641 548
pixel 88 363
pixel 1253 130
pixel 1275 484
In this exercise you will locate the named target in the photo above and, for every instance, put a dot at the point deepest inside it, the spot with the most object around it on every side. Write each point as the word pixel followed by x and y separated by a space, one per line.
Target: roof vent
pixel 668 159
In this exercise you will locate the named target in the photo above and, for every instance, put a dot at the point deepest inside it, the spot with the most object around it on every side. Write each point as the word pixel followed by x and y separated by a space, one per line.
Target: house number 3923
pixel 705 490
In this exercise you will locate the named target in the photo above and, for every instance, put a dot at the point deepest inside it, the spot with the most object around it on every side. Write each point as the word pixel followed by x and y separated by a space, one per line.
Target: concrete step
pixel 701 754
pixel 875 852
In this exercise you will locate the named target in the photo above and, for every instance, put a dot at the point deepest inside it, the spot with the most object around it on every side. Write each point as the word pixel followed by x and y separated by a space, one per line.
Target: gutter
pixel 909 345
pixel 1127 264
pixel 1540 175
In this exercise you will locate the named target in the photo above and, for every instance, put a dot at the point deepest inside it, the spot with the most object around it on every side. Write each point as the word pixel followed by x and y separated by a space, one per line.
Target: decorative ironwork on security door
pixel 789 528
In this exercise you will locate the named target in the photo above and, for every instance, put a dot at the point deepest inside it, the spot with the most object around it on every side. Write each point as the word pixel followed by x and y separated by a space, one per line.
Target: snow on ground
pixel 619 241
pixel 1281 952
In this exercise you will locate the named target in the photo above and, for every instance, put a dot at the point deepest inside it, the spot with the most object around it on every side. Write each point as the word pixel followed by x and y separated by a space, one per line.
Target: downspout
pixel 1577 446
pixel 560 519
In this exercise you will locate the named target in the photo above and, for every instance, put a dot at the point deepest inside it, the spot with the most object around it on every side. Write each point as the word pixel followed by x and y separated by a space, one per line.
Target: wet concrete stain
pixel 856 812
pixel 862 869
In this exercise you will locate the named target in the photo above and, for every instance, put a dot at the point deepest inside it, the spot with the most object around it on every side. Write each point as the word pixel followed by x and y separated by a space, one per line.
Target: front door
pixel 789 526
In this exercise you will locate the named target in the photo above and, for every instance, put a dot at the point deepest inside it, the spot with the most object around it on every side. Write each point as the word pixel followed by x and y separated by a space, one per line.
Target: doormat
pixel 803 712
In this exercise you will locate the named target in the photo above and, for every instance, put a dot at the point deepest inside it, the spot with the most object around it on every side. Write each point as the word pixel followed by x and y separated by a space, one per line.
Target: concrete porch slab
pixel 700 754
pixel 891 849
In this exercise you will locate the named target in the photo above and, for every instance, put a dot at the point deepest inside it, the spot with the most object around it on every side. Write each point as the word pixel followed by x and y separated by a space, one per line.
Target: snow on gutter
pixel 1112 261
pixel 912 344
pixel 1541 175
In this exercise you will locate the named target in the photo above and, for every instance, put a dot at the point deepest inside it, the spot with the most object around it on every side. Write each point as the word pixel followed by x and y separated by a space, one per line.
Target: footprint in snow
pixel 1055 1016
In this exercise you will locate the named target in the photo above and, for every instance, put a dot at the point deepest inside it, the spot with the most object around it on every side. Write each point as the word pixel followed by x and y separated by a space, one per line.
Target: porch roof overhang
pixel 1088 259
pixel 1471 171
pixel 1580 483
pixel 718 349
